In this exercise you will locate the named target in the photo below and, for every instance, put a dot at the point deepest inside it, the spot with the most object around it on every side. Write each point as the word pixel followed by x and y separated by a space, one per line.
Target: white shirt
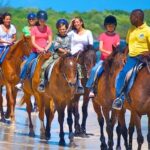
pixel 7 36
pixel 78 42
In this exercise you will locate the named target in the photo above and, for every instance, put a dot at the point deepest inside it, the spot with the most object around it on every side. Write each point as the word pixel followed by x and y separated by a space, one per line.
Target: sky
pixel 79 5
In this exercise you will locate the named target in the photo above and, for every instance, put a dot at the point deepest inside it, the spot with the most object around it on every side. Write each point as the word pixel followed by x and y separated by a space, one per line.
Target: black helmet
pixel 63 22
pixel 110 20
pixel 42 15
pixel 31 15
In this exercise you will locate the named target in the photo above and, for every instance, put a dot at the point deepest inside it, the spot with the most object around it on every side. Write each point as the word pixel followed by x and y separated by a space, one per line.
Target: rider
pixel 7 32
pixel 81 39
pixel 106 39
pixel 41 37
pixel 138 39
pixel 61 45
pixel 31 18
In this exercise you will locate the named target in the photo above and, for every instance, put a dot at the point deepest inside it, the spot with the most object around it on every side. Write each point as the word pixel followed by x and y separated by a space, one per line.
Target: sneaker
pixel 91 94
pixel 41 87
pixel 19 86
pixel 80 90
pixel 117 104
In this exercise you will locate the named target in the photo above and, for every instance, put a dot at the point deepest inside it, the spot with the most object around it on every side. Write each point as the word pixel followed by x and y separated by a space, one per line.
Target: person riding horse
pixel 81 39
pixel 61 46
pixel 107 40
pixel 138 39
pixel 41 37
pixel 7 35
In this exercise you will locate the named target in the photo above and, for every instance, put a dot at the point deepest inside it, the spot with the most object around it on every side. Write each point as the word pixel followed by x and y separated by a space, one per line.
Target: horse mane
pixel 13 48
pixel 111 58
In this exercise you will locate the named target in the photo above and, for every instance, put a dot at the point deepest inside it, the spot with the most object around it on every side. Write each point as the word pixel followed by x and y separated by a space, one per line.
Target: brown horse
pixel 87 60
pixel 30 88
pixel 10 69
pixel 139 105
pixel 58 93
pixel 104 98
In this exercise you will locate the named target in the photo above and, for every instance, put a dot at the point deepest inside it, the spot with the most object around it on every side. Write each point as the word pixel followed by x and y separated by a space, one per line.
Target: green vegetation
pixel 93 19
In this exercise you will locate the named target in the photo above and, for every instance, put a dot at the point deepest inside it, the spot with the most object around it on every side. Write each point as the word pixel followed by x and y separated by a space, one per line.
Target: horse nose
pixel 72 81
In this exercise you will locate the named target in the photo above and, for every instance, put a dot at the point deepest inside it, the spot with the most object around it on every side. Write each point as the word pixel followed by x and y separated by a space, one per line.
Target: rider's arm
pixel 49 43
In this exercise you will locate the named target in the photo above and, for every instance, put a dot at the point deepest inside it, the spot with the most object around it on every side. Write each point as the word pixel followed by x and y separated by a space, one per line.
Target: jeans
pixel 120 79
pixel 95 72
pixel 25 67
pixel 3 52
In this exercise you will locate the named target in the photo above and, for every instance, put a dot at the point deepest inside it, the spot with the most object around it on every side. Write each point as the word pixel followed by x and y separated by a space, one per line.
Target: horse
pixel 87 60
pixel 139 105
pixel 137 101
pixel 58 93
pixel 104 98
pixel 10 69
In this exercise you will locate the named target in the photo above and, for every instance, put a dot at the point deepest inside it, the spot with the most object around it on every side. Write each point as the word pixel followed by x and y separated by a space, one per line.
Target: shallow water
pixel 15 137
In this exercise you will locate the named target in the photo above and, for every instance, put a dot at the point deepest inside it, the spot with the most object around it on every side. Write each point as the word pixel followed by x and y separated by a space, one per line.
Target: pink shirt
pixel 108 41
pixel 41 38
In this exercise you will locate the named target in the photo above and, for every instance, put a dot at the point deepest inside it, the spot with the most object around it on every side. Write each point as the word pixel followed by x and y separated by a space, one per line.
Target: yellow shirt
pixel 138 40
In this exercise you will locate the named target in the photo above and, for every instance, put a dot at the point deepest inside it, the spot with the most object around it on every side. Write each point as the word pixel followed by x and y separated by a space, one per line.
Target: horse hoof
pixel 42 137
pixel 103 146
pixel 3 120
pixel 62 143
pixel 72 145
pixel 84 135
pixel 118 148
pixel 31 134
pixel 48 137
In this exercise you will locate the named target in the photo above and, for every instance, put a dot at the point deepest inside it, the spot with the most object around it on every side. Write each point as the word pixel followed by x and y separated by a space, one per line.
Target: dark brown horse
pixel 87 60
pixel 104 98
pixel 10 70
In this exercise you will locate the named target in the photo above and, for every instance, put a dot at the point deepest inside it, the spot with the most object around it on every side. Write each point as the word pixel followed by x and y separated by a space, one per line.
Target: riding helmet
pixel 63 22
pixel 31 16
pixel 42 15
pixel 110 20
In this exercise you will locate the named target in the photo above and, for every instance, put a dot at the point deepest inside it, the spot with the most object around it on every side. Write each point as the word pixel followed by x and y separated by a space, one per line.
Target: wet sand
pixel 15 137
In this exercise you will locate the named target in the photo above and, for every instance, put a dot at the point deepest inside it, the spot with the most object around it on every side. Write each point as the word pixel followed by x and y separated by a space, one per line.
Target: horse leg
pixel 123 129
pixel 12 102
pixel 76 118
pixel 61 116
pixel 40 104
pixel 131 131
pixel 70 122
pixel 49 111
pixel 84 114
pixel 27 100
pixel 109 128
pixel 100 118
pixel 7 113
pixel 137 121
pixel 35 108
pixel 148 135
pixel 1 107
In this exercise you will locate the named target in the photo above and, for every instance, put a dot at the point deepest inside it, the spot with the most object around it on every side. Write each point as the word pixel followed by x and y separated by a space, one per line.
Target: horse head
pixel 115 61
pixel 87 59
pixel 20 48
pixel 68 69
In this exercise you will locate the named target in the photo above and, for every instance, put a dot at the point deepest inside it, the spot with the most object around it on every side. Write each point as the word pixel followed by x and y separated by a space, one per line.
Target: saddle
pixel 31 67
pixel 131 76
pixel 49 68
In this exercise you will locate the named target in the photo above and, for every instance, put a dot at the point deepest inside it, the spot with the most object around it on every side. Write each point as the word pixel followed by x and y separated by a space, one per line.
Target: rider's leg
pixel 120 81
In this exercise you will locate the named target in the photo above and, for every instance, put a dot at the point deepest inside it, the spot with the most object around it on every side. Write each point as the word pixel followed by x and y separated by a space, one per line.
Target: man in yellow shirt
pixel 138 39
